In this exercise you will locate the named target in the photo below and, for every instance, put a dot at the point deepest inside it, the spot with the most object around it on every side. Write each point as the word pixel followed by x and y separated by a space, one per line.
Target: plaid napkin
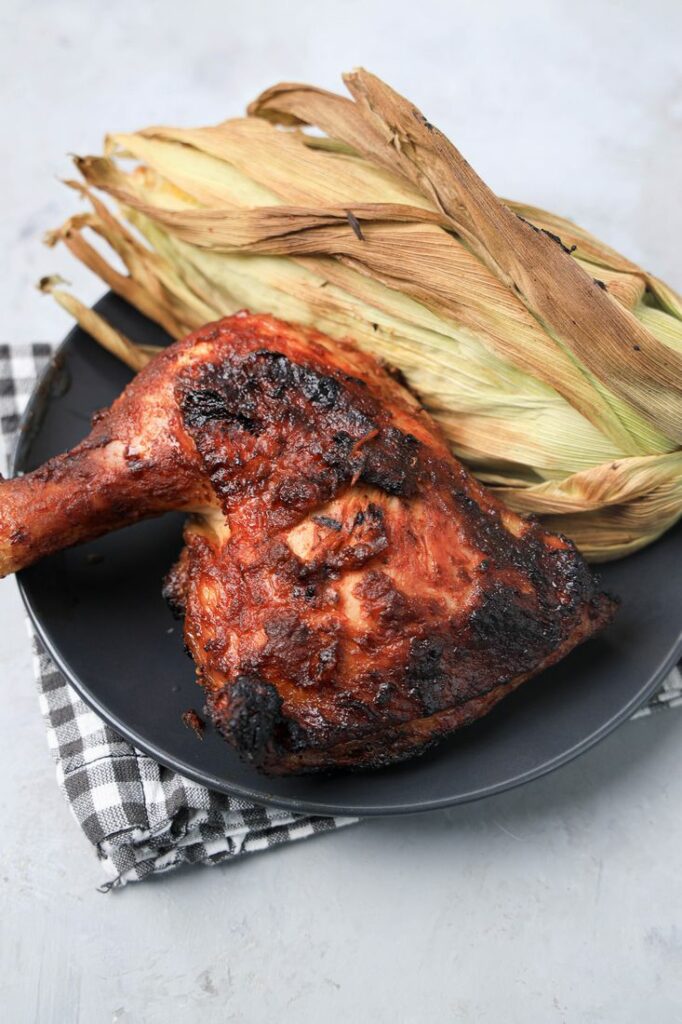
pixel 143 818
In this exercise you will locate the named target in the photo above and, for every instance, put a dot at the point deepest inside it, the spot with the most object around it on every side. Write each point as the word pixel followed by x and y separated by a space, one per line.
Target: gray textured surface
pixel 558 902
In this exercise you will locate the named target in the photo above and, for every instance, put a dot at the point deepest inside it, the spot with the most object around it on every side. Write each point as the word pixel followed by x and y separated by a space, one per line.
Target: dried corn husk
pixel 553 363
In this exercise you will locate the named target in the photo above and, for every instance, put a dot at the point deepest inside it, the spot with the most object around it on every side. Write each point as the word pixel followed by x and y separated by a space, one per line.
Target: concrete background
pixel 560 902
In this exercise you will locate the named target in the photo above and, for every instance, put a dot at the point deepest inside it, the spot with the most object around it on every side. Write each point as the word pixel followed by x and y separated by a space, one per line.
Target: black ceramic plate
pixel 106 625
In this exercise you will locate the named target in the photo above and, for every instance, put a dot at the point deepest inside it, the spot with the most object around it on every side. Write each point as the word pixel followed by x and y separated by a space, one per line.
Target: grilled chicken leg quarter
pixel 350 593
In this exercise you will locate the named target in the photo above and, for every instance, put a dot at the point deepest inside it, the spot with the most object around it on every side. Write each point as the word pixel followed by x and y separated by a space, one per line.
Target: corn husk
pixel 552 363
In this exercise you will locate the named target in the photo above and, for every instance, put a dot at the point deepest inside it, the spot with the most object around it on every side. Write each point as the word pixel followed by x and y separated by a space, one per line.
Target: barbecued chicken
pixel 350 593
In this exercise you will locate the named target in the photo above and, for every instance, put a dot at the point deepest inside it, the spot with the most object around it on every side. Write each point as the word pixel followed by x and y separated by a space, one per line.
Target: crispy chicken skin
pixel 350 593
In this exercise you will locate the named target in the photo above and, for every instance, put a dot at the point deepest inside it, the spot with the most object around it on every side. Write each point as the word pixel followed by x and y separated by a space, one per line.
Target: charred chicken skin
pixel 350 593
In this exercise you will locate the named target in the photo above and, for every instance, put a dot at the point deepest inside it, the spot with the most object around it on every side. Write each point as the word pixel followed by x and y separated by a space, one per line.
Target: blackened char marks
pixel 561 579
pixel 392 463
pixel 300 493
pixel 321 389
pixel 426 671
pixel 573 581
pixel 390 460
pixel 328 426
pixel 506 633
pixel 508 625
pixel 329 522
pixel 202 405
pixel 248 714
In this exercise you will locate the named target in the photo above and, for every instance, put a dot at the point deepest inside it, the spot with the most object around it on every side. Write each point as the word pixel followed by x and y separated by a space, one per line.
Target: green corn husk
pixel 552 363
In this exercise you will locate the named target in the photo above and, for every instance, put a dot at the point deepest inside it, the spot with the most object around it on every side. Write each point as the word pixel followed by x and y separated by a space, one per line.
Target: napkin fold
pixel 142 818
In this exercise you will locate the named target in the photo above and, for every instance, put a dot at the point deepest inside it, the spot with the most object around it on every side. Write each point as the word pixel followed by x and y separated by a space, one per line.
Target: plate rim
pixel 293 804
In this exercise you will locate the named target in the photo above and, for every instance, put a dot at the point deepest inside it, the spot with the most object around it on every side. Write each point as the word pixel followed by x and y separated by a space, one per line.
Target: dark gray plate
pixel 107 627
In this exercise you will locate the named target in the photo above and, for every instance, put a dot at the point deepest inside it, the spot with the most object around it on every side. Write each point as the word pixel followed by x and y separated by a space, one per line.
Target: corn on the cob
pixel 553 364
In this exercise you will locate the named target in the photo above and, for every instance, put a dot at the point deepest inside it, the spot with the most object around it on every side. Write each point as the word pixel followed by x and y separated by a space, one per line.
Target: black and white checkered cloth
pixel 143 818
